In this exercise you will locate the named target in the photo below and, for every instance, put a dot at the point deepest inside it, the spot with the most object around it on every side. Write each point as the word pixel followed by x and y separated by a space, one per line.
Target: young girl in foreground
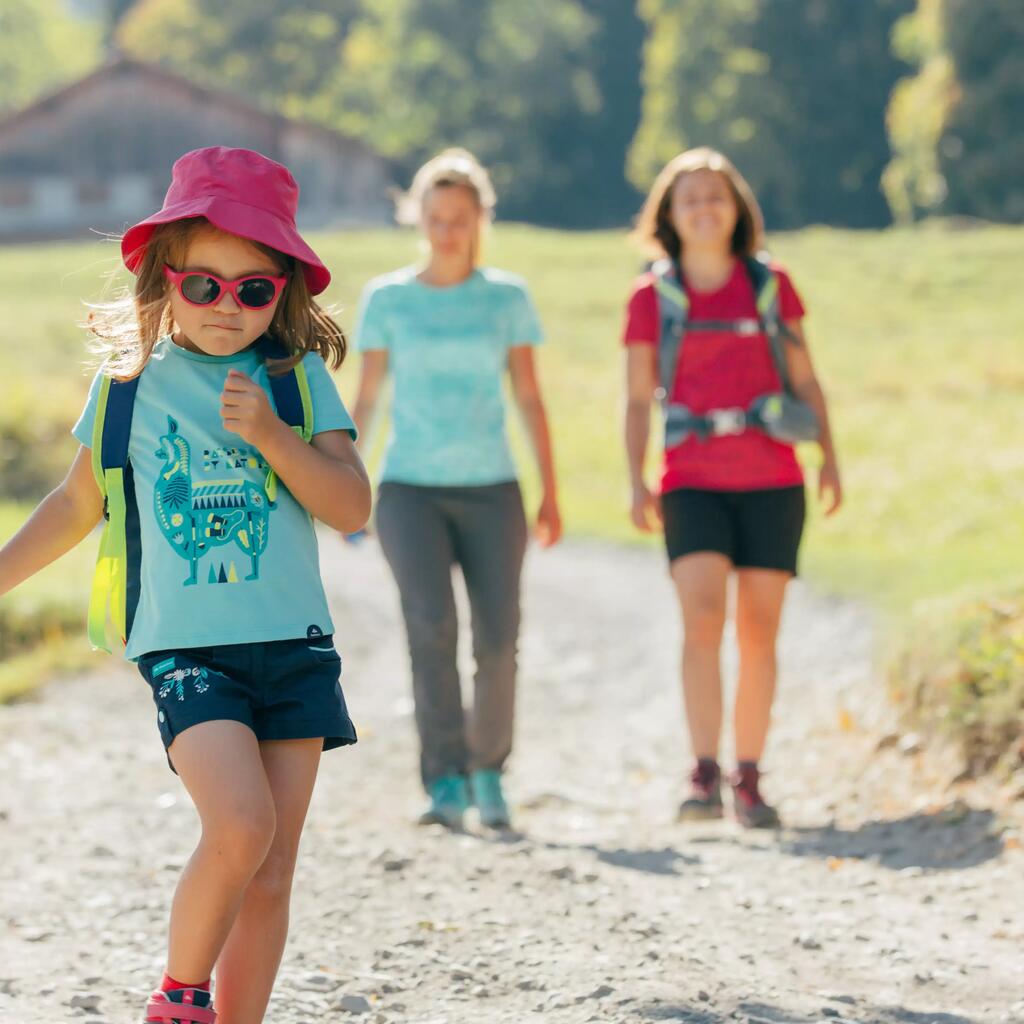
pixel 731 496
pixel 225 612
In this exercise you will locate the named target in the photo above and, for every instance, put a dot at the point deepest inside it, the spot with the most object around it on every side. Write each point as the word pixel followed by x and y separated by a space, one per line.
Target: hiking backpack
pixel 780 415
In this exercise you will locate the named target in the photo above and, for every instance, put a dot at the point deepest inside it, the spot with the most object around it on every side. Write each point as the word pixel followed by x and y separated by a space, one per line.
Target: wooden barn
pixel 97 155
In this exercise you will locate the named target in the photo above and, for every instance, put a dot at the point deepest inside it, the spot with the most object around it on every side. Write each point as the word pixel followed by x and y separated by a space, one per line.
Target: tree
pixel 520 84
pixel 794 91
pixel 41 47
pixel 917 113
pixel 512 83
pixel 694 58
pixel 598 191
pixel 981 151
pixel 955 125
pixel 114 12
pixel 276 54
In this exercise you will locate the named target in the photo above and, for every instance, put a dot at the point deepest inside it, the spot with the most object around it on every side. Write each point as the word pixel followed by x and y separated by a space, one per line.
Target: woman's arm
pixel 372 372
pixel 526 389
pixel 326 477
pixel 806 387
pixel 641 384
pixel 58 523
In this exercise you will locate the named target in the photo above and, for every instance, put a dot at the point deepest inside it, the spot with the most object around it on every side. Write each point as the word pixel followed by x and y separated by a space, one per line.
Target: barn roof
pixel 120 65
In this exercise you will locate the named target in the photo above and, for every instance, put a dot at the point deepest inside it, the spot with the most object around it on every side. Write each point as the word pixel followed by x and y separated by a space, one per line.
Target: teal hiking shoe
pixel 489 799
pixel 449 801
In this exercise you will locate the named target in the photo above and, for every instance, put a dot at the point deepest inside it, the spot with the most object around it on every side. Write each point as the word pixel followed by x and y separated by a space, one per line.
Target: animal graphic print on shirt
pixel 196 517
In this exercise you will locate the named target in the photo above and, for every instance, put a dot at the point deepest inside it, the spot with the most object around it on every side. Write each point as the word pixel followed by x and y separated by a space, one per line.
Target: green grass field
pixel 916 334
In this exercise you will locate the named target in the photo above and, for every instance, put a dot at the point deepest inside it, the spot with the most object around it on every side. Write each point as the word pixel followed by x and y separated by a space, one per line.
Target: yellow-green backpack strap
pixel 97 435
pixel 109 613
pixel 306 397
pixel 108 601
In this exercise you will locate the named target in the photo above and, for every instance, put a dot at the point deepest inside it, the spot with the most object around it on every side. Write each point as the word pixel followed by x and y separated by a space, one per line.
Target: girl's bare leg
pixel 248 963
pixel 701 580
pixel 759 599
pixel 219 762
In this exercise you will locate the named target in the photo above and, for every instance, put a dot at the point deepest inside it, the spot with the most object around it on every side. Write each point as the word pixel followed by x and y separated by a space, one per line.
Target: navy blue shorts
pixel 281 689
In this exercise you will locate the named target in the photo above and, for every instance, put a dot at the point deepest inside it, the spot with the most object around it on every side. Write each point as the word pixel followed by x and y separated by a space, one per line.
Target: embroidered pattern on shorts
pixel 174 679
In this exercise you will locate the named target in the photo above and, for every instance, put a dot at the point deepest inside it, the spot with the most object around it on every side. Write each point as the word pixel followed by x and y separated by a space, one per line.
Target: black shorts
pixel 754 529
pixel 281 689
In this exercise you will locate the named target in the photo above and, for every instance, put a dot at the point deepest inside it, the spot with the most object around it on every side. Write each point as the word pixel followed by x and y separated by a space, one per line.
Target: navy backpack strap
pixel 117 423
pixel 287 398
pixel 292 399
pixel 285 387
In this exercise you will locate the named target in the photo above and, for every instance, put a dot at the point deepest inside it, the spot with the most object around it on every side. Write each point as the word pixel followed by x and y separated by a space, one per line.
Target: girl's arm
pixel 59 522
pixel 526 389
pixel 641 384
pixel 804 383
pixel 326 477
pixel 372 372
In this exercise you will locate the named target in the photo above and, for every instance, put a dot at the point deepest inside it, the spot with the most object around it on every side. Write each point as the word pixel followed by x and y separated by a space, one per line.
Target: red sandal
pixel 181 1006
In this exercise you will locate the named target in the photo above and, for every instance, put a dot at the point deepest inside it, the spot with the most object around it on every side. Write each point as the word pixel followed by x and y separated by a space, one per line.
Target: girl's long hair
pixel 127 328
pixel 654 230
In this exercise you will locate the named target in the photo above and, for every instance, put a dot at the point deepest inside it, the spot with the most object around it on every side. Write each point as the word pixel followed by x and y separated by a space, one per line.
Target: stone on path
pixel 354 1004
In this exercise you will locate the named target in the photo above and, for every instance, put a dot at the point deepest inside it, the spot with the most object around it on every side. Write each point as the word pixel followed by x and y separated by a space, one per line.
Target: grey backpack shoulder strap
pixel 673 310
pixel 766 294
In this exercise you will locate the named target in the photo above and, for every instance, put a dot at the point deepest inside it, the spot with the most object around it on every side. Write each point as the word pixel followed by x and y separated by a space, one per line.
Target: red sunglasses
pixel 257 291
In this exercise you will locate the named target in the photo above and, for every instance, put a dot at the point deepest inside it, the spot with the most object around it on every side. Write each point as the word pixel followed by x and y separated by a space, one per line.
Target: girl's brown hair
pixel 656 233
pixel 128 327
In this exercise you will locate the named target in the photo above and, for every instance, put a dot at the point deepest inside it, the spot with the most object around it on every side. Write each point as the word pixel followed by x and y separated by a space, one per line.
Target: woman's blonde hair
pixel 127 328
pixel 452 168
pixel 654 230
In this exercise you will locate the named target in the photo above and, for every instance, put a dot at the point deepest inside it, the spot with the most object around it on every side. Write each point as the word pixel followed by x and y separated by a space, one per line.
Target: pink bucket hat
pixel 239 191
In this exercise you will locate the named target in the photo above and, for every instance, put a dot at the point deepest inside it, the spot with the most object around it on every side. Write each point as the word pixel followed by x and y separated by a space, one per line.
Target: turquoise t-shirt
pixel 448 353
pixel 258 576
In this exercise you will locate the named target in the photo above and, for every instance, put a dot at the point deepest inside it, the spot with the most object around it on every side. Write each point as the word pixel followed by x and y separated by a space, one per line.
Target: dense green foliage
pixel 963 677
pixel 544 91
pixel 576 104
pixel 42 46
pixel 955 125
pixel 793 90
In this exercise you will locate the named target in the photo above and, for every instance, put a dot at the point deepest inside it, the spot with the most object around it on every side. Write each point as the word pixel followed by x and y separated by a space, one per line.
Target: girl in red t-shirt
pixel 729 501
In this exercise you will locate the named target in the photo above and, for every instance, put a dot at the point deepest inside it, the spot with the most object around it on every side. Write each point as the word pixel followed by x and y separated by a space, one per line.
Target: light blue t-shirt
pixel 448 353
pixel 254 573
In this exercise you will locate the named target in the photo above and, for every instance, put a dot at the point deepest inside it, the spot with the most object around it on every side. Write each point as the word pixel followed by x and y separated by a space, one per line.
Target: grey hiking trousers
pixel 424 532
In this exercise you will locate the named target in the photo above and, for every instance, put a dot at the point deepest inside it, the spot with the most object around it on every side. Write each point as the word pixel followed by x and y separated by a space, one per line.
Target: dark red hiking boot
pixel 750 807
pixel 704 802
pixel 181 1006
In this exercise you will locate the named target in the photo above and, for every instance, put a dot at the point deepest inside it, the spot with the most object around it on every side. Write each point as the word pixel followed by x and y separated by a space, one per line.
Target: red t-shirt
pixel 719 370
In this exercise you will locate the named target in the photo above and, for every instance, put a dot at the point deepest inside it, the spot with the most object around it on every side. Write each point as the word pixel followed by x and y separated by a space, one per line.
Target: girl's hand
pixel 645 510
pixel 830 484
pixel 549 523
pixel 245 408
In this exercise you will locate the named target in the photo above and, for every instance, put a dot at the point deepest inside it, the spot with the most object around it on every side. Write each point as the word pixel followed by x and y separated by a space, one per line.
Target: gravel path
pixel 882 901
